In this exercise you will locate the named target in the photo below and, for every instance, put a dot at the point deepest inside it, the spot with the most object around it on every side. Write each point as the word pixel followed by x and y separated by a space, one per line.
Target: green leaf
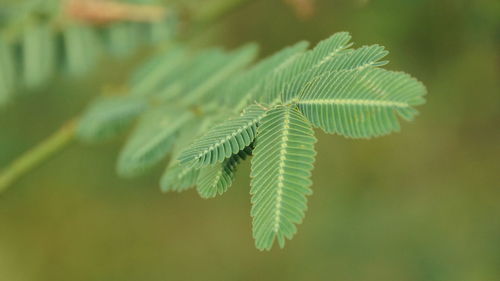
pixel 159 71
pixel 323 53
pixel 109 116
pixel 216 179
pixel 151 140
pixel 223 140
pixel 219 72
pixel 359 59
pixel 122 38
pixel 162 31
pixel 281 170
pixel 177 177
pixel 7 72
pixel 82 49
pixel 38 54
pixel 246 87
pixel 361 104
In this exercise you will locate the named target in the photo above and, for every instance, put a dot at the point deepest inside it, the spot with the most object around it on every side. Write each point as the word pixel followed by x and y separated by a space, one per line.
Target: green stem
pixel 36 155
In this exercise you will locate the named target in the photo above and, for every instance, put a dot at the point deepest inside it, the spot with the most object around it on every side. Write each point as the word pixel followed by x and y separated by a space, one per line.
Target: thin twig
pixel 38 154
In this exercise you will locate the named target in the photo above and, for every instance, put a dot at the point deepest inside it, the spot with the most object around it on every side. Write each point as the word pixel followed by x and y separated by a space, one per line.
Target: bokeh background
pixel 423 204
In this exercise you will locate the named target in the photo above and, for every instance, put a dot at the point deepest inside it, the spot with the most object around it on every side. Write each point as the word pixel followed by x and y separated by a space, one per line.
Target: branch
pixel 38 154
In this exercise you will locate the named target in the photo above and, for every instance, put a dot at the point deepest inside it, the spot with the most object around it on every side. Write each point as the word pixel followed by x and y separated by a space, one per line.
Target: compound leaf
pixel 361 104
pixel 247 86
pixel 109 116
pixel 216 179
pixel 324 52
pixel 359 59
pixel 152 140
pixel 224 140
pixel 176 176
pixel 159 71
pixel 220 71
pixel 281 170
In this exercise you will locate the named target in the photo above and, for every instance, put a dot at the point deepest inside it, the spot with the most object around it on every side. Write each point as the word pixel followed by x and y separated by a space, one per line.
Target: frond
pixel 216 179
pixel 359 59
pixel 176 176
pixel 160 71
pixel 108 116
pixel 151 140
pixel 361 104
pixel 218 72
pixel 323 53
pixel 247 87
pixel 281 170
pixel 224 140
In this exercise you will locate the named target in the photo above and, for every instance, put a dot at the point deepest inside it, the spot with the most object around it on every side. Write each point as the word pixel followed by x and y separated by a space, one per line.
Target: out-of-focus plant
pixel 211 109
pixel 39 39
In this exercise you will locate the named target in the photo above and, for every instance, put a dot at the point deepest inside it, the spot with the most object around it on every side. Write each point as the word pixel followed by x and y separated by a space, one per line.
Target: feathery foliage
pixel 216 179
pixel 361 103
pixel 281 170
pixel 50 42
pixel 109 116
pixel 224 140
pixel 152 140
pixel 208 110
pixel 332 87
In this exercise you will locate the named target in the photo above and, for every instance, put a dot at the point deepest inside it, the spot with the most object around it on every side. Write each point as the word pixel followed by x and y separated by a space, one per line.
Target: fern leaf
pixel 247 87
pixel 176 176
pixel 185 72
pixel 216 179
pixel 151 141
pixel 157 72
pixel 224 140
pixel 281 170
pixel 361 104
pixel 234 61
pixel 109 116
pixel 324 52
pixel 359 59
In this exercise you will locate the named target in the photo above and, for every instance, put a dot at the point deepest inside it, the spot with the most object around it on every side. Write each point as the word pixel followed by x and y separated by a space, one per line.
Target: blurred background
pixel 423 204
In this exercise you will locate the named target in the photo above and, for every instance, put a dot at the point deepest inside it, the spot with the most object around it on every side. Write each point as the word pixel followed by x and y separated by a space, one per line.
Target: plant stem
pixel 38 154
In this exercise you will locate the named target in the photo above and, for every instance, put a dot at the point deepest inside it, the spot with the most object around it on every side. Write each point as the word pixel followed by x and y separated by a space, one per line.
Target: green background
pixel 423 204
